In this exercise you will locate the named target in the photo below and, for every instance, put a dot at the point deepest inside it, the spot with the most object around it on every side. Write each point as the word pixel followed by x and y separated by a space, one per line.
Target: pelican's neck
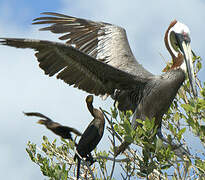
pixel 179 63
pixel 172 52
pixel 176 77
pixel 183 67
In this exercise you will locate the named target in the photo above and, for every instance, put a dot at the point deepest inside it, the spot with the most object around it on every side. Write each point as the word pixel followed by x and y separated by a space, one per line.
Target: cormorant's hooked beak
pixel 184 45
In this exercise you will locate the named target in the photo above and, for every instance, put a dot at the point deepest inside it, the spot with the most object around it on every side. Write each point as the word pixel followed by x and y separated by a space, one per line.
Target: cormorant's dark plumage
pixel 92 135
pixel 58 129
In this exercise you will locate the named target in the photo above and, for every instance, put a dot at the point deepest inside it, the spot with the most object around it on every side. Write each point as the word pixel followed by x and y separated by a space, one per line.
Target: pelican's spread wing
pixel 102 41
pixel 77 68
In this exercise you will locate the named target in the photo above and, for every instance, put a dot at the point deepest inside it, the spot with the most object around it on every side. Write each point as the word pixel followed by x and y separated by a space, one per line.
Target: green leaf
pixel 129 114
pixel 141 175
pixel 176 117
pixel 159 145
pixel 44 145
pixel 172 129
pixel 166 166
pixel 45 138
pixel 114 112
pixel 199 65
pixel 200 164
pixel 127 126
pixel 179 135
pixel 139 121
pixel 128 139
pixel 187 107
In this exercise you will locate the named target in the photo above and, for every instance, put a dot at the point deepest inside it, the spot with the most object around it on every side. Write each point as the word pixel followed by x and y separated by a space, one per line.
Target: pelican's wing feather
pixel 104 42
pixel 77 68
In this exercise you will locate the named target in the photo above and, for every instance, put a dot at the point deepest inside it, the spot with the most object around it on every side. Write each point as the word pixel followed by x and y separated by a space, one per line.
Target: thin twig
pixel 184 95
pixel 117 135
pixel 113 137
pixel 124 171
pixel 179 173
pixel 186 169
pixel 199 84
pixel 163 58
pixel 112 159
pixel 133 153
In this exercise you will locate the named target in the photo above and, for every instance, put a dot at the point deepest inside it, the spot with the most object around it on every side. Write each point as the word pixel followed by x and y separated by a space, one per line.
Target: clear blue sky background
pixel 24 87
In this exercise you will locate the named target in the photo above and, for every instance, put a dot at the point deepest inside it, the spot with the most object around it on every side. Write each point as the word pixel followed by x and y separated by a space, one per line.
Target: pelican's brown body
pixel 97 59
pixel 158 95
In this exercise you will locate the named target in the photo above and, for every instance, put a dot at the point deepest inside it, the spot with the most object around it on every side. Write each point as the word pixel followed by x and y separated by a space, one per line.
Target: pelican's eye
pixel 174 42
pixel 186 37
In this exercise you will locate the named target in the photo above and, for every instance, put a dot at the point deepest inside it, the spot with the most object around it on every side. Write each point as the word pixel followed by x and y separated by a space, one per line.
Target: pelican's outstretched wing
pixel 77 68
pixel 102 41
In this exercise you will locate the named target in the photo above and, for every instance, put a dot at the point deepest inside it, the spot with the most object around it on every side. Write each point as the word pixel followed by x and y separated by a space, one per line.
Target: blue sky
pixel 24 87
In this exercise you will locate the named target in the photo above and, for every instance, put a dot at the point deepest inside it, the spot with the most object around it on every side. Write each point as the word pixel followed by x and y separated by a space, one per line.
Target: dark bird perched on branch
pixel 97 59
pixel 58 129
pixel 91 136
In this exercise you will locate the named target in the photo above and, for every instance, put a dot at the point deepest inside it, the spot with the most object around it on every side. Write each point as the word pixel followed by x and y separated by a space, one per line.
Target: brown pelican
pixel 58 129
pixel 91 136
pixel 97 59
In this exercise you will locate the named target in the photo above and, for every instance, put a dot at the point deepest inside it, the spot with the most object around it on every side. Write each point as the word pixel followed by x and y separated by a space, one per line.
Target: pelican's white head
pixel 177 40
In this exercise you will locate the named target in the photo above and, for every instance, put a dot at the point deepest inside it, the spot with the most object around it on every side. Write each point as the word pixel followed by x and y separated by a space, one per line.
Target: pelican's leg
pixel 124 145
pixel 159 132
pixel 115 97
pixel 160 135
pixel 173 145
pixel 134 122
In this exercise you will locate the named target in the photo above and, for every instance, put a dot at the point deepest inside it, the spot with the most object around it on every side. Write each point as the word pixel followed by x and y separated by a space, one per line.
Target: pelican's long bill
pixel 187 52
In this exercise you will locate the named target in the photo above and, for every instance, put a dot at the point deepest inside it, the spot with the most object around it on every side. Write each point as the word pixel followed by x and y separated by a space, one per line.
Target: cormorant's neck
pixel 90 108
